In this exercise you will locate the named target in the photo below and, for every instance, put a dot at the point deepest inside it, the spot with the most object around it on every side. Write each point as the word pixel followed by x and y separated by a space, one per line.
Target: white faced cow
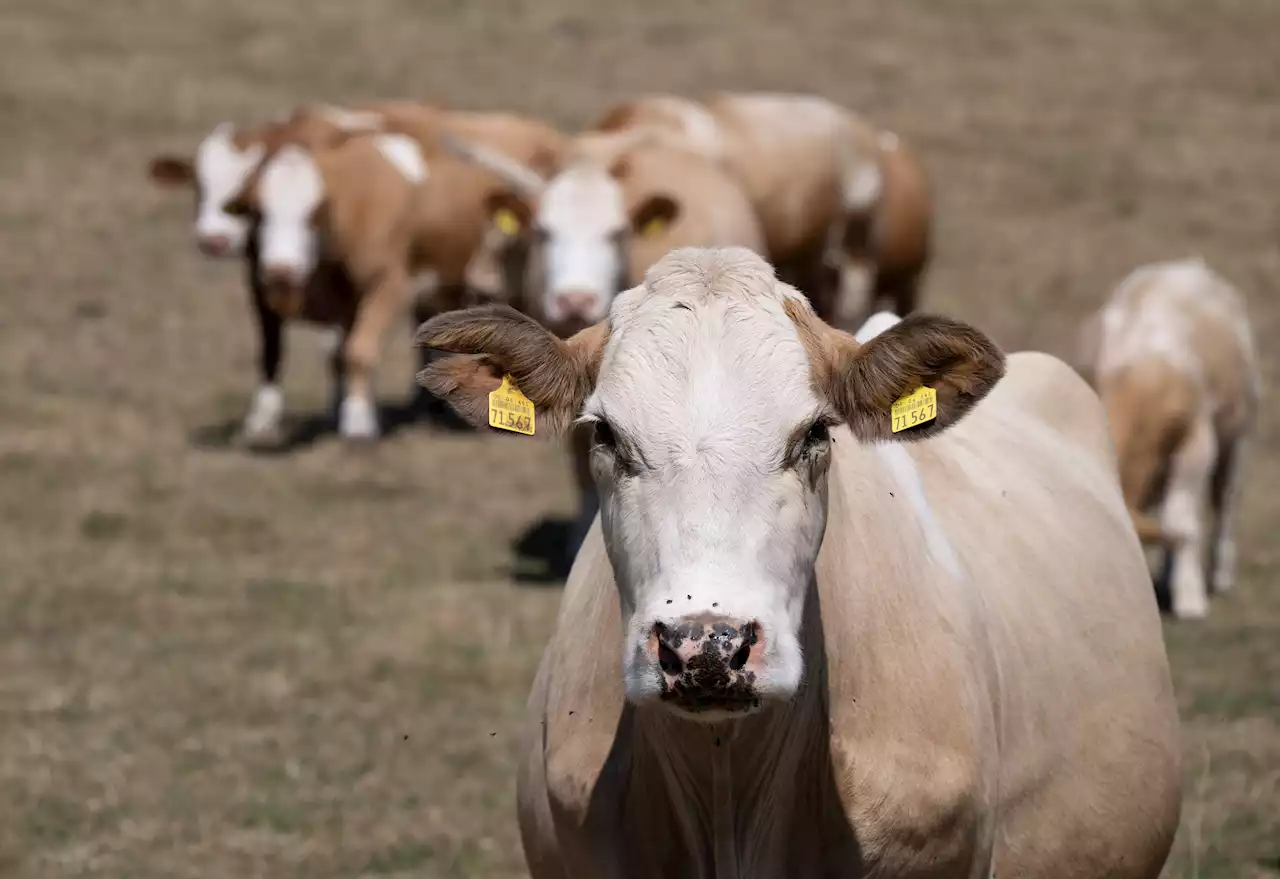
pixel 398 215
pixel 1173 358
pixel 224 163
pixel 799 644
pixel 845 208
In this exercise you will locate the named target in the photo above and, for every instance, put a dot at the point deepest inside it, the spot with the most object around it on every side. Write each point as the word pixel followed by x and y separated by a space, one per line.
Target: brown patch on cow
pixel 496 340
pixel 861 382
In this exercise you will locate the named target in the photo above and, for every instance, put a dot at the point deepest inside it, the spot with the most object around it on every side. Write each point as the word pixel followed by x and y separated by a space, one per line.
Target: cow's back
pixel 997 629
pixel 788 152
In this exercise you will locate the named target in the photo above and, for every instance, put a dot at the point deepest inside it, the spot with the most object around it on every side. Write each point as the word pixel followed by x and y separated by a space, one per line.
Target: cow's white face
pixel 710 391
pixel 579 229
pixel 710 453
pixel 222 169
pixel 290 191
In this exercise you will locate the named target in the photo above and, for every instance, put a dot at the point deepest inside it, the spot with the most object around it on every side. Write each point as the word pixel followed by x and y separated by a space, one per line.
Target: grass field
pixel 312 664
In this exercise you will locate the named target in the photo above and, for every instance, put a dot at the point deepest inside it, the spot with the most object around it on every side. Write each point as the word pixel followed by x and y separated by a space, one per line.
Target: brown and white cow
pixel 1172 356
pixel 223 163
pixel 797 643
pixel 845 209
pixel 397 213
pixel 613 210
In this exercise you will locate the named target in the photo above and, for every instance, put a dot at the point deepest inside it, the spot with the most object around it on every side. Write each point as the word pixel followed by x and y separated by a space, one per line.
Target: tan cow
pixel 614 209
pixel 1172 356
pixel 797 643
pixel 845 209
pixel 223 163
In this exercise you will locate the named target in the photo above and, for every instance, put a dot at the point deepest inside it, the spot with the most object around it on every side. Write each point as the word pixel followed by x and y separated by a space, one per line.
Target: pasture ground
pixel 313 664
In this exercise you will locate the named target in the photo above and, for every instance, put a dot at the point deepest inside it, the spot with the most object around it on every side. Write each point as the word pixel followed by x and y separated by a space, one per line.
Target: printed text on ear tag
pixel 506 221
pixel 916 408
pixel 509 409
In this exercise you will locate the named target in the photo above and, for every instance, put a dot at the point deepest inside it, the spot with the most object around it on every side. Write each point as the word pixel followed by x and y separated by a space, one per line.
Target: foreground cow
pixel 841 654
pixel 1172 356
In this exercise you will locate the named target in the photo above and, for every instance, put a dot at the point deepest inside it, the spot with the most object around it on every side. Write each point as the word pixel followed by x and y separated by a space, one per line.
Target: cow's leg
pixel 377 310
pixel 849 253
pixel 1182 519
pixel 264 425
pixel 1224 497
pixel 334 342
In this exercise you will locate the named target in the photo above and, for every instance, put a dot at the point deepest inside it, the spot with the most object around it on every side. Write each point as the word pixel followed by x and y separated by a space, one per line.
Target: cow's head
pixel 569 234
pixel 228 157
pixel 712 391
pixel 223 162
pixel 289 200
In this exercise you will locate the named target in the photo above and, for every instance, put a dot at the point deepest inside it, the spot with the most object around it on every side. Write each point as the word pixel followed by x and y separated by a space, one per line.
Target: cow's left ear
pixel 171 171
pixel 485 344
pixel 955 364
pixel 933 368
pixel 654 215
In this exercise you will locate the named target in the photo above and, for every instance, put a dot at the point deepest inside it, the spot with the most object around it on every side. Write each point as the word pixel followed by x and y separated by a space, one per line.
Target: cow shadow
pixel 305 430
pixel 544 552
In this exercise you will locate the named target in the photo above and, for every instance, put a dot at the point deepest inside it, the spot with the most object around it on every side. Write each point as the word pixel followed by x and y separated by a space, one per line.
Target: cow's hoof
pixel 358 420
pixel 1192 609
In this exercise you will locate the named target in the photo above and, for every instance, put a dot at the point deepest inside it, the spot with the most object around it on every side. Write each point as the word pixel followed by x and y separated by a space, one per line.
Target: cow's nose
pixel 282 277
pixel 214 245
pixel 577 304
pixel 706 662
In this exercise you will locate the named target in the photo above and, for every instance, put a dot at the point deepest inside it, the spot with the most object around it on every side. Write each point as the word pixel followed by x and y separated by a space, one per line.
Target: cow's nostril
pixel 739 659
pixel 668 659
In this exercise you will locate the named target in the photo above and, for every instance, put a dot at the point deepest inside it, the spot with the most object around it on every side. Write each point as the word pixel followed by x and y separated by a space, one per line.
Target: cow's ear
pixel 911 381
pixel 508 212
pixel 484 345
pixel 654 215
pixel 171 171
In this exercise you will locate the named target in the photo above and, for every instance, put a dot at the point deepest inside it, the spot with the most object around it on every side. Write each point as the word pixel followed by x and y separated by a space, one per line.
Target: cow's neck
pixel 740 794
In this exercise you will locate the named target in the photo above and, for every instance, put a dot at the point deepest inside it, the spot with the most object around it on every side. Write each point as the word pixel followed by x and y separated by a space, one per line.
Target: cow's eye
pixel 604 437
pixel 819 434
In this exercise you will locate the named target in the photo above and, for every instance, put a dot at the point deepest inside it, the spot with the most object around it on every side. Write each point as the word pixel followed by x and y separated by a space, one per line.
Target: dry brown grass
pixel 312 665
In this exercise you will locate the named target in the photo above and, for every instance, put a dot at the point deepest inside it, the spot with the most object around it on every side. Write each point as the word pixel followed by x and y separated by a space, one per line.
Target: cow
pixel 845 208
pixel 812 636
pixel 615 207
pixel 399 215
pixel 223 163
pixel 1172 355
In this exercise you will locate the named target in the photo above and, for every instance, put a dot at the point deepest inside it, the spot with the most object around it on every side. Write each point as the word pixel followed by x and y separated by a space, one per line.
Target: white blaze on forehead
pixel 403 152
pixel 581 211
pixel 221 170
pixel 290 189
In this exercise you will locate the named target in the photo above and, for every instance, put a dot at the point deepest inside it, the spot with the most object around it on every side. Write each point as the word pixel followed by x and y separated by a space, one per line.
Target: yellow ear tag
pixel 506 221
pixel 653 227
pixel 509 409
pixel 916 408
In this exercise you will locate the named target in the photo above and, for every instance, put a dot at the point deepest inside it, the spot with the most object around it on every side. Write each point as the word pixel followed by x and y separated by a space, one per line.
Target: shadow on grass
pixel 543 553
pixel 305 430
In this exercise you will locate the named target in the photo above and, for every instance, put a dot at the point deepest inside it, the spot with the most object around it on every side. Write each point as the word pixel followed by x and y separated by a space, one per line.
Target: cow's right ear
pixel 508 212
pixel 484 345
pixel 171 171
